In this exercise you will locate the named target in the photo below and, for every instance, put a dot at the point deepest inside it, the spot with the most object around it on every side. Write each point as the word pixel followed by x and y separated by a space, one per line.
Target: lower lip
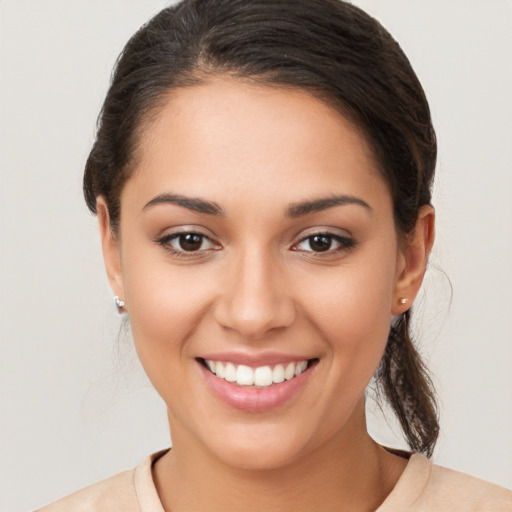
pixel 251 399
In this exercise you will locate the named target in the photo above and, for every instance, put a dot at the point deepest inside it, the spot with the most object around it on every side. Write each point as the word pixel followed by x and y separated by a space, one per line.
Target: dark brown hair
pixel 330 48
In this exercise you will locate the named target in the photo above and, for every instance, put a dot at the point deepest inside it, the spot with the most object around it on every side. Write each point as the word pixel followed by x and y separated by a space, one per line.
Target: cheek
pixel 351 314
pixel 165 304
pixel 351 309
pixel 355 300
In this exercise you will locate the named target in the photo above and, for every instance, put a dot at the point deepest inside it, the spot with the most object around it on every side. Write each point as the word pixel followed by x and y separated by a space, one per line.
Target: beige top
pixel 423 487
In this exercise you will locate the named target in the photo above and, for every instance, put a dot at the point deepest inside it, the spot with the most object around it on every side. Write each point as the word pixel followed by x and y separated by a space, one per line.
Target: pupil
pixel 190 242
pixel 320 243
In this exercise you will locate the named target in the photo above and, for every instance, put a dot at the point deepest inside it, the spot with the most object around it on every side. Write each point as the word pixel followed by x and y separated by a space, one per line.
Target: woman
pixel 262 177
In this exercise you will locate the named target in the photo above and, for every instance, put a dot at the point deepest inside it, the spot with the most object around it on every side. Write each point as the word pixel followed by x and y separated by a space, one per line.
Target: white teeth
pixel 244 375
pixel 263 376
pixel 278 374
pixel 300 367
pixel 289 373
pixel 230 372
pixel 219 370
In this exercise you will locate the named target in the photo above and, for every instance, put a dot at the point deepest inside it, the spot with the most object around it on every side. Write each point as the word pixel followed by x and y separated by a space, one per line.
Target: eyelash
pixel 344 244
pixel 166 240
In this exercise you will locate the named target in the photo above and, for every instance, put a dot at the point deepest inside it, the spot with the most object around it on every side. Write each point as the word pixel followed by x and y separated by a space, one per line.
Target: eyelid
pixel 175 236
pixel 346 241
pixel 322 230
pixel 183 229
pixel 164 240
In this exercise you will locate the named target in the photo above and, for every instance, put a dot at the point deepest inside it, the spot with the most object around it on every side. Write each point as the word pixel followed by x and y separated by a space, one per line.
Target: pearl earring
pixel 404 300
pixel 119 302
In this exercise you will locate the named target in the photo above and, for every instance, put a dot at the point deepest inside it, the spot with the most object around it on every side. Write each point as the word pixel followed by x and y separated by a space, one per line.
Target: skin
pixel 257 285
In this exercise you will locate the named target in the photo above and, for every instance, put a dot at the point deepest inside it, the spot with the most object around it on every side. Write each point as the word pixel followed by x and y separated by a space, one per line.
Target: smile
pixel 246 384
pixel 261 376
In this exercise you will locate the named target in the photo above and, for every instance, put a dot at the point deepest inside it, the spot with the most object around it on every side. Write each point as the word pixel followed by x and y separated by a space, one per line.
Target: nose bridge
pixel 254 299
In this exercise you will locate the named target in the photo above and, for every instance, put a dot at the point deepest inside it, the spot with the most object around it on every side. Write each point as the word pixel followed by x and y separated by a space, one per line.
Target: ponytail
pixel 407 386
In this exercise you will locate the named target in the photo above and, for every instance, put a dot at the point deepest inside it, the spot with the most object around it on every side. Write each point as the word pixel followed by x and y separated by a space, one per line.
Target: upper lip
pixel 255 359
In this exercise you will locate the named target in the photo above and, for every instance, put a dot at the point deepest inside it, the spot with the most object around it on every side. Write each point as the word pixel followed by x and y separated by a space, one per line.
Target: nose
pixel 254 298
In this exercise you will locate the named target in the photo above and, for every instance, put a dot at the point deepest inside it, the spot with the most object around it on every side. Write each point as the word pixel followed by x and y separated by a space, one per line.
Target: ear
pixel 413 259
pixel 110 247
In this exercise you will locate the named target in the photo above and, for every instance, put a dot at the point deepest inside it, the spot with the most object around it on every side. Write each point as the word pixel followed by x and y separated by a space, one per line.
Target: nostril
pixel 256 319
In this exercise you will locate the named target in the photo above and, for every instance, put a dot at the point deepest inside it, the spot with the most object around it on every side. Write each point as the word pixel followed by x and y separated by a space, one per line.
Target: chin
pixel 263 449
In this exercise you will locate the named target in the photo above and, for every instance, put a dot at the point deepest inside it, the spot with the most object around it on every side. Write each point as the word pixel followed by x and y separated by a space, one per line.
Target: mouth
pixel 256 382
pixel 260 377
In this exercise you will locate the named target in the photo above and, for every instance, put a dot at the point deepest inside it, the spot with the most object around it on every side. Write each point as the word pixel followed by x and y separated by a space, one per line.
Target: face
pixel 258 259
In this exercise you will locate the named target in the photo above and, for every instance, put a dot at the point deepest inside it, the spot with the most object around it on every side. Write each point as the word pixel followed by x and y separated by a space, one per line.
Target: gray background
pixel 75 406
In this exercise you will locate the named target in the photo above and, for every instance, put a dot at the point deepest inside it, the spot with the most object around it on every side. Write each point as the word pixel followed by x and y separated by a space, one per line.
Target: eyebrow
pixel 294 210
pixel 318 205
pixel 194 204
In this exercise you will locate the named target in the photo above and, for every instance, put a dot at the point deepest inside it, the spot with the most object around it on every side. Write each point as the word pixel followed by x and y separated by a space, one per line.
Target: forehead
pixel 230 137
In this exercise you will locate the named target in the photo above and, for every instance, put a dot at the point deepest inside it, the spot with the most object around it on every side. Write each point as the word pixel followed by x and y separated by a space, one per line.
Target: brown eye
pixel 187 242
pixel 324 243
pixel 190 241
pixel 320 243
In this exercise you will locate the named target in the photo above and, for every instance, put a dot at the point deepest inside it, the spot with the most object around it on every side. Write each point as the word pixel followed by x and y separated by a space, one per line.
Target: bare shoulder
pixel 116 493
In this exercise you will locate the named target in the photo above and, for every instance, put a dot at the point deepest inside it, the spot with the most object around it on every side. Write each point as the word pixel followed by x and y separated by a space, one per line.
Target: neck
pixel 350 472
